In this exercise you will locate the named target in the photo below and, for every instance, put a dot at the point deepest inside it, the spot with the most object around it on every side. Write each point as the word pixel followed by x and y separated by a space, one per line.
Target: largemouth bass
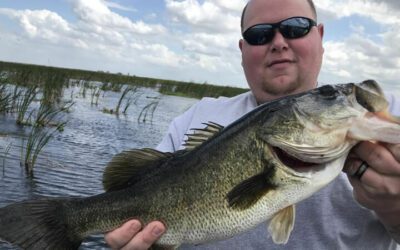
pixel 226 181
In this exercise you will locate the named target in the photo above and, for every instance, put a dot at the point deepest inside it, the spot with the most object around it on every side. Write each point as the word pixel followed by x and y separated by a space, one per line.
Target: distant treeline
pixel 26 73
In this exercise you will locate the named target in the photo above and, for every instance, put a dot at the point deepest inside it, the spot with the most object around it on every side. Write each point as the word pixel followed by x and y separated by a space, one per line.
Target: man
pixel 276 66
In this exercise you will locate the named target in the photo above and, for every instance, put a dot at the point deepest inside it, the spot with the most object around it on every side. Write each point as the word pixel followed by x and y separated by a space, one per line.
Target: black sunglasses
pixel 291 28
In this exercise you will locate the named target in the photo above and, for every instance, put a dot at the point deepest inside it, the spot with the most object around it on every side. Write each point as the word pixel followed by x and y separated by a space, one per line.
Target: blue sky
pixel 190 40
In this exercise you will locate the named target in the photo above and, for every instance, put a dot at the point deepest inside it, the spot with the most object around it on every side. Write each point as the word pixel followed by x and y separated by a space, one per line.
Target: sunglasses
pixel 291 28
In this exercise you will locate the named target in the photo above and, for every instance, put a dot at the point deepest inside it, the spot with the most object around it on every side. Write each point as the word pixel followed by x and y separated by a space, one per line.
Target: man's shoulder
pixel 244 100
pixel 221 110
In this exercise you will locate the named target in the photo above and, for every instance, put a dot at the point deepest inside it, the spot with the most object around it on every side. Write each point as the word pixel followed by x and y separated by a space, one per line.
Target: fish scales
pixel 227 181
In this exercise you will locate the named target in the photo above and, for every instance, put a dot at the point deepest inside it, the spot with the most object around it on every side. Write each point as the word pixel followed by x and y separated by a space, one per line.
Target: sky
pixel 191 40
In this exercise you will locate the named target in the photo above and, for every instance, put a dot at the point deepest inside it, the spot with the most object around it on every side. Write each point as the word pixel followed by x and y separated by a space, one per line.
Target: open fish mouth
pixel 298 165
pixel 292 161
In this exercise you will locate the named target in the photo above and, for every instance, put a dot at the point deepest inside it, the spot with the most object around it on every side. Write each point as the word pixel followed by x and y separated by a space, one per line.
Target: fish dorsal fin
pixel 281 225
pixel 249 191
pixel 126 168
pixel 200 135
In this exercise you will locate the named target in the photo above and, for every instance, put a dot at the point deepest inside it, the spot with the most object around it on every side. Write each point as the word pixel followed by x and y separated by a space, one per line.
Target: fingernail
pixel 157 231
pixel 136 226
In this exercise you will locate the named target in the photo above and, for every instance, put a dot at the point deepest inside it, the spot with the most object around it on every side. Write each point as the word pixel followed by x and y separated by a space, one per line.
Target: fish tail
pixel 37 224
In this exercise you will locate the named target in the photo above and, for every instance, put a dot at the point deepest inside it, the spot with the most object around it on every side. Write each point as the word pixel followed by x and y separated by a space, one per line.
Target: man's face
pixel 282 66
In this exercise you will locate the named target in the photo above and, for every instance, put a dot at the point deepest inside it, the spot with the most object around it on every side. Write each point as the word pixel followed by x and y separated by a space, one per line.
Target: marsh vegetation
pixel 114 82
pixel 39 100
pixel 34 97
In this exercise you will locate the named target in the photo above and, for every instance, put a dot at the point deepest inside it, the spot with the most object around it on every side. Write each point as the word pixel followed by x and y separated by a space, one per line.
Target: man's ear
pixel 321 34
pixel 241 41
pixel 321 30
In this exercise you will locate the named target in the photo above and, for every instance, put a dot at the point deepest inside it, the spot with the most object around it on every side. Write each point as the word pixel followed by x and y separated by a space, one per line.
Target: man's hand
pixel 379 187
pixel 131 235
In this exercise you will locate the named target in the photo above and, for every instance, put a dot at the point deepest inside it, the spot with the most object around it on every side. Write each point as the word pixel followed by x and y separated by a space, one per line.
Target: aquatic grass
pixel 113 81
pixel 37 139
pixel 46 115
pixel 4 77
pixel 132 99
pixel 17 92
pixel 123 96
pixel 95 94
pixel 4 156
pixel 109 85
pixel 84 84
pixel 104 86
pixel 116 87
pixel 26 97
pixel 127 104
pixel 5 99
pixel 148 110
pixel 52 84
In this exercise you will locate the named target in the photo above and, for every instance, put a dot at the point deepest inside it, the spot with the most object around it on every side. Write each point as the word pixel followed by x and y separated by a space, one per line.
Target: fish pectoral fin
pixel 249 191
pixel 128 167
pixel 281 225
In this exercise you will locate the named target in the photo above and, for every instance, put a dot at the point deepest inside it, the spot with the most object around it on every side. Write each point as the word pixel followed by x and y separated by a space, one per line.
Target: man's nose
pixel 278 43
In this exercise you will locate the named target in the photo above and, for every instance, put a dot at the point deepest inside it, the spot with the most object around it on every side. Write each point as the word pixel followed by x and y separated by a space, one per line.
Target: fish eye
pixel 328 91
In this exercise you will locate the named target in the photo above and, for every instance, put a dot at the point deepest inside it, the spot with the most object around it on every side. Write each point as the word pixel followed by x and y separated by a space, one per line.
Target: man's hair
pixel 310 2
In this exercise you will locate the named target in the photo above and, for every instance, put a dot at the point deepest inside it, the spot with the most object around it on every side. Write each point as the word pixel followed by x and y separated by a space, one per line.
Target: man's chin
pixel 282 88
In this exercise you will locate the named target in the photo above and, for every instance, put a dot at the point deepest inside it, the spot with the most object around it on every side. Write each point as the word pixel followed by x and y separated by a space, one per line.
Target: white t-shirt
pixel 330 219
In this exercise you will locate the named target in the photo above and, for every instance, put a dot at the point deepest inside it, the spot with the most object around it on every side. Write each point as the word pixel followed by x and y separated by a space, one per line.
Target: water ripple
pixel 72 163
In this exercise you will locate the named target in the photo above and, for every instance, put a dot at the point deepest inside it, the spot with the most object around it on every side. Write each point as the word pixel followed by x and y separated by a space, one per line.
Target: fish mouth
pixel 293 162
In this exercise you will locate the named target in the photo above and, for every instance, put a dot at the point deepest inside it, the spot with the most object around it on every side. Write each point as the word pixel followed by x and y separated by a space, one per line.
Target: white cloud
pixel 122 44
pixel 97 13
pixel 195 39
pixel 210 16
pixel 98 28
pixel 232 5
pixel 359 56
pixel 38 22
pixel 392 4
pixel 162 55
pixel 119 6
pixel 210 44
pixel 380 11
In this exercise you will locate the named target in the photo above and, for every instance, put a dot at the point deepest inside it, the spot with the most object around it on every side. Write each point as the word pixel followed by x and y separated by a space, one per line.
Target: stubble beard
pixel 283 88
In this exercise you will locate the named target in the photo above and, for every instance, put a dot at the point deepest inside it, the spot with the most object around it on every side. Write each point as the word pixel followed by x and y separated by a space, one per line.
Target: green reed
pixel 123 97
pixel 124 94
pixel 52 83
pixel 26 97
pixel 37 139
pixel 148 111
pixel 95 94
pixel 111 81
pixel 47 115
pixel 84 86
pixel 5 99
pixel 4 156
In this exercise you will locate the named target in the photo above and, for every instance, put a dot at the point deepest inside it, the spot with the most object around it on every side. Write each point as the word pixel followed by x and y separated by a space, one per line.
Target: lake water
pixel 72 163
